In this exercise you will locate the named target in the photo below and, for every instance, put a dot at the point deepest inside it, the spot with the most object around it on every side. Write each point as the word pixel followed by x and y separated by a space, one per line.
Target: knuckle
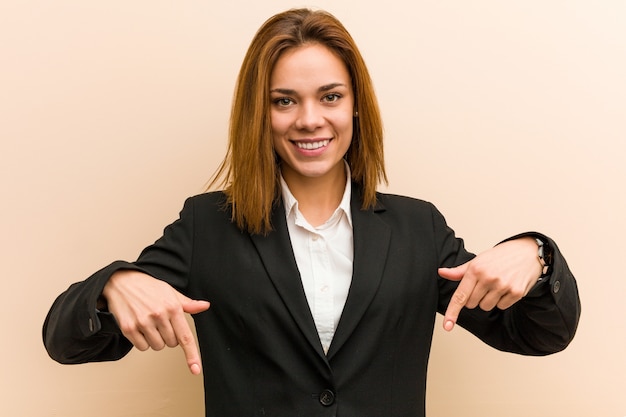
pixel 171 343
pixel 156 315
pixel 185 339
pixel 128 328
pixel 485 275
pixel 459 298
pixel 477 268
pixel 145 322
pixel 159 346
pixel 486 305
pixel 516 293
pixel 170 308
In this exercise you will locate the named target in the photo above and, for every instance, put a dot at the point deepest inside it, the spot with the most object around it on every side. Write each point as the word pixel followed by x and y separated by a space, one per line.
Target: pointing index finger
pixel 187 342
pixel 457 302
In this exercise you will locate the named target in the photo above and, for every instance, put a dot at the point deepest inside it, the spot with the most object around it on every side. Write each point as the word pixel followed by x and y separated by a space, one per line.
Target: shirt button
pixel 327 397
pixel 315 237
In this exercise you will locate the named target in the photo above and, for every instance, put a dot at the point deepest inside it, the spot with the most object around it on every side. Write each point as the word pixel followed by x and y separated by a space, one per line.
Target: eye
pixel 331 98
pixel 283 101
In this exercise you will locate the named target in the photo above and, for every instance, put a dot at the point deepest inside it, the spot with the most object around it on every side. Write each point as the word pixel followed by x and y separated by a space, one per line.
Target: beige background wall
pixel 508 115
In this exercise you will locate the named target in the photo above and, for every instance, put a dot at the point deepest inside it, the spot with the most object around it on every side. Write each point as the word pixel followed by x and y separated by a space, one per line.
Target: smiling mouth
pixel 309 146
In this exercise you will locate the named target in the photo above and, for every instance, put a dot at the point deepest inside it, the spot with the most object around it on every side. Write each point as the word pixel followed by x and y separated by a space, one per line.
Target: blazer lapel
pixel 280 263
pixel 371 241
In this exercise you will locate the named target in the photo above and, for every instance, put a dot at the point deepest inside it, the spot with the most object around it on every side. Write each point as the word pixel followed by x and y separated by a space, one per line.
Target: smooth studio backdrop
pixel 508 115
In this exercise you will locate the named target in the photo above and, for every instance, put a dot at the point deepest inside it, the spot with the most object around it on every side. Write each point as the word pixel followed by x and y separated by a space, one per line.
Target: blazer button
pixel 327 397
pixel 556 287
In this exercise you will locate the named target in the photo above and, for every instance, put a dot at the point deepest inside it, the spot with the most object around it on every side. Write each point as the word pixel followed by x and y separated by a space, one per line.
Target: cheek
pixel 343 120
pixel 345 125
pixel 279 130
pixel 279 122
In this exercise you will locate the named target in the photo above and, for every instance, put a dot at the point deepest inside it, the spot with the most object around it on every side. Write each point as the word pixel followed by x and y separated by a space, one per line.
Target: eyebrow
pixel 322 89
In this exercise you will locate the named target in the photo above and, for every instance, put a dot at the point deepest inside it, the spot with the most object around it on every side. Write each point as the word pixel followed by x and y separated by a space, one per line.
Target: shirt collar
pixel 291 204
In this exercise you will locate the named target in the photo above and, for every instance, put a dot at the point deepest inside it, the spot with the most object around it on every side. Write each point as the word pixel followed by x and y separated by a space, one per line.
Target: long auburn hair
pixel 250 171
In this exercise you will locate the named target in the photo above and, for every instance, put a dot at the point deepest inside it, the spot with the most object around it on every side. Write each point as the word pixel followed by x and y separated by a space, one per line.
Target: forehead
pixel 309 64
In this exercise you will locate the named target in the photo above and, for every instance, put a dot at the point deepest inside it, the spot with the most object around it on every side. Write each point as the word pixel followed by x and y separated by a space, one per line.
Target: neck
pixel 319 197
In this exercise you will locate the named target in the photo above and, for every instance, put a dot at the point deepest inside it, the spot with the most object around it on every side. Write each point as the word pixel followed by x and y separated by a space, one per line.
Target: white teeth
pixel 312 145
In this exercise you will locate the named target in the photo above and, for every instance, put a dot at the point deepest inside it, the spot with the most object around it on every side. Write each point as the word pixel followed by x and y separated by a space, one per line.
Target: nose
pixel 309 117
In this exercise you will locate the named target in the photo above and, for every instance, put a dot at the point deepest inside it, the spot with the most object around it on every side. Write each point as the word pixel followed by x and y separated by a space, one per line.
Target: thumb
pixel 453 274
pixel 192 306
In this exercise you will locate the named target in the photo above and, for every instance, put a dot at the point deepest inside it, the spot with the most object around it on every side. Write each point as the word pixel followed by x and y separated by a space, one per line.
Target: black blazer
pixel 260 350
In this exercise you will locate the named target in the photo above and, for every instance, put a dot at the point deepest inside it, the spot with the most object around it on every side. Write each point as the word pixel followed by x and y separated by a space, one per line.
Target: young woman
pixel 323 292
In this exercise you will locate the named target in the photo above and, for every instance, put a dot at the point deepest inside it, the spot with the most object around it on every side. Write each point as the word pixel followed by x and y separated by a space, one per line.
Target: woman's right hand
pixel 151 313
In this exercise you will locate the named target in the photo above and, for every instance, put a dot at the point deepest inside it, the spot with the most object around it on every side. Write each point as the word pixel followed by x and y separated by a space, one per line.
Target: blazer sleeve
pixel 75 331
pixel 541 323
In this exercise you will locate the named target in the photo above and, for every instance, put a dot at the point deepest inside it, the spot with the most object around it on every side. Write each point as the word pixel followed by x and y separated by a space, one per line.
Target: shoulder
pixel 210 205
pixel 395 206
pixel 408 211
pixel 400 202
pixel 211 198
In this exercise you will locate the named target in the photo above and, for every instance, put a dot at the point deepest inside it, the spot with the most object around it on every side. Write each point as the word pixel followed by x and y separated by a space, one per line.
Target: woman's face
pixel 311 112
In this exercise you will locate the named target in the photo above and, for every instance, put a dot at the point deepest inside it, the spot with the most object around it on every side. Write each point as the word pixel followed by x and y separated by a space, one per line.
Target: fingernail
pixel 195 369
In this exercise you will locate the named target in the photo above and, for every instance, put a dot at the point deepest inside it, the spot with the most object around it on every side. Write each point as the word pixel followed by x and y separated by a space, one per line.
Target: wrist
pixel 544 256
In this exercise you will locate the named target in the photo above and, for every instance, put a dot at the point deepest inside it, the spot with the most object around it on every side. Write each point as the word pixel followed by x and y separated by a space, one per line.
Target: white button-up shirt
pixel 324 257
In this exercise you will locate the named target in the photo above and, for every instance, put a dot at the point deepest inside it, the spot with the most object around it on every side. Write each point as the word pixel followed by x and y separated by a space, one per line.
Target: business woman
pixel 323 292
